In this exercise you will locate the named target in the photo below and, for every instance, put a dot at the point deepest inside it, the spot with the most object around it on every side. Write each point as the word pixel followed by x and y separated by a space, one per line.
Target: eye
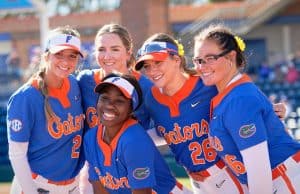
pixel 116 49
pixel 59 55
pixel 146 66
pixel 73 56
pixel 101 49
pixel 120 102
pixel 210 58
pixel 103 98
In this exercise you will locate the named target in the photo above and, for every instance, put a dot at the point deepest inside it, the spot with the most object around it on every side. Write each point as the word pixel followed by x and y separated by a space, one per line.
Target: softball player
pixel 244 130
pixel 45 121
pixel 179 107
pixel 113 52
pixel 115 149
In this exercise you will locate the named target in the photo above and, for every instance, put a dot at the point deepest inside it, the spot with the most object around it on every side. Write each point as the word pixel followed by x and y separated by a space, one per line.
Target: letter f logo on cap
pixel 68 38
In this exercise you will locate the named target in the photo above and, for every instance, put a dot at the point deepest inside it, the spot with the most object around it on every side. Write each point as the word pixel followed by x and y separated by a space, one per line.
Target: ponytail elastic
pixel 240 42
pixel 180 48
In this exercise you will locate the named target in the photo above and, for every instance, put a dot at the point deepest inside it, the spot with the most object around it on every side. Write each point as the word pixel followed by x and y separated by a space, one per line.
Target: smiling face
pixel 61 64
pixel 163 74
pixel 111 53
pixel 213 70
pixel 113 107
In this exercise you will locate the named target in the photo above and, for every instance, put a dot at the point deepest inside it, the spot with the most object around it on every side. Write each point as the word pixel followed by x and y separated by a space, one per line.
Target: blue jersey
pixel 243 117
pixel 54 145
pixel 183 120
pixel 130 161
pixel 88 79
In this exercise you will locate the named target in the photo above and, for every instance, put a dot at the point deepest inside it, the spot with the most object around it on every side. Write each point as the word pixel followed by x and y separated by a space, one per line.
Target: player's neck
pixel 175 85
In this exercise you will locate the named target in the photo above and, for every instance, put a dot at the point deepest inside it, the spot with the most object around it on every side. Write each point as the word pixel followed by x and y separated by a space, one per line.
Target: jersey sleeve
pixel 140 163
pixel 89 155
pixel 244 121
pixel 20 117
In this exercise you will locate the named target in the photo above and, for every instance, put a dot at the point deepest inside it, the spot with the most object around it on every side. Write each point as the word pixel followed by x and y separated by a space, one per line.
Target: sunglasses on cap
pixel 155 46
pixel 157 51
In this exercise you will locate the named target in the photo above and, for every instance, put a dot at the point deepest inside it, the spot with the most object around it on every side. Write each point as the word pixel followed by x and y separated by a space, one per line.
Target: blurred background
pixel 270 29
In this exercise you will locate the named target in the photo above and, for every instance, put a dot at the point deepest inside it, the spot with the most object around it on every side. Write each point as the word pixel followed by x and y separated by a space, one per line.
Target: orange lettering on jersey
pixel 201 130
pixel 114 183
pixel 91 117
pixel 215 142
pixel 236 166
pixel 182 134
pixel 57 129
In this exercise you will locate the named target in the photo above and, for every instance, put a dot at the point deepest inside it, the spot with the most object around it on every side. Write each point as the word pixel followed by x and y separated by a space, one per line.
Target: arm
pixel 98 188
pixel 257 164
pixel 18 158
pixel 142 191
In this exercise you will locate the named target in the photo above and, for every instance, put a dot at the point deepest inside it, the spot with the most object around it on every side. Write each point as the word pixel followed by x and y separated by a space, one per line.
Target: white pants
pixel 180 189
pixel 218 181
pixel 85 186
pixel 42 183
pixel 286 176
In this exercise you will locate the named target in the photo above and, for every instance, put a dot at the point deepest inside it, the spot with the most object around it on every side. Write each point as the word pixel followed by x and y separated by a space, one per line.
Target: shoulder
pixel 246 95
pixel 135 133
pixel 25 94
pixel 72 79
pixel 85 74
pixel 26 90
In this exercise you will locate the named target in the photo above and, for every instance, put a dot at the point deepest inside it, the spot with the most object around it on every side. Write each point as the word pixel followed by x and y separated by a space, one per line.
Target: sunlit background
pixel 270 29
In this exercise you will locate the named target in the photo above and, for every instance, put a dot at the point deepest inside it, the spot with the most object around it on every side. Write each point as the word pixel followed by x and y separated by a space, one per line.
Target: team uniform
pixel 243 117
pixel 183 120
pixel 54 145
pixel 131 161
pixel 88 79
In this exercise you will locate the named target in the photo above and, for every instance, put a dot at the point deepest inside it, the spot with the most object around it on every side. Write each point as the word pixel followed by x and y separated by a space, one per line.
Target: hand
pixel 42 191
pixel 280 110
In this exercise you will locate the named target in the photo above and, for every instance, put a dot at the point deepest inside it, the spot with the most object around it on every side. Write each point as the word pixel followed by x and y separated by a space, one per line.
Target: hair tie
pixel 180 48
pixel 240 42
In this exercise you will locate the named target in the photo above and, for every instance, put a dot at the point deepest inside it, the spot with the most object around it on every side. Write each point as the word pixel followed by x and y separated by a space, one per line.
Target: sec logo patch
pixel 141 173
pixel 15 125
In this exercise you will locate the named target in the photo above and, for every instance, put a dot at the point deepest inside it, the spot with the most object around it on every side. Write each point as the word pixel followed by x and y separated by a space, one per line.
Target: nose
pixel 106 55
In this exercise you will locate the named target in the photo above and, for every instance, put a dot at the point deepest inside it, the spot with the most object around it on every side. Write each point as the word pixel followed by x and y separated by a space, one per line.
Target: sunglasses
pixel 155 46
pixel 209 59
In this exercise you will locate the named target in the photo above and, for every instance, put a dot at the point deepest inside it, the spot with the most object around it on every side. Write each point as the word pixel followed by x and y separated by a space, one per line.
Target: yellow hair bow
pixel 180 48
pixel 240 42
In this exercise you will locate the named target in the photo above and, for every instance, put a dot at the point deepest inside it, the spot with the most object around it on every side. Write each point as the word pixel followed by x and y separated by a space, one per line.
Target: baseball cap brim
pixel 156 56
pixel 58 48
pixel 102 85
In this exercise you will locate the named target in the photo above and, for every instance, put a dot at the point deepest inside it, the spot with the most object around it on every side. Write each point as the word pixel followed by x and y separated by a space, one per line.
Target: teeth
pixel 108 116
pixel 108 64
pixel 63 68
pixel 157 77
pixel 206 74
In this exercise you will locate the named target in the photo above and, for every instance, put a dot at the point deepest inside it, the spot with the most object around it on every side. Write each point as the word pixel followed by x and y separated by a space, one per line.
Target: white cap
pixel 125 87
pixel 59 42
